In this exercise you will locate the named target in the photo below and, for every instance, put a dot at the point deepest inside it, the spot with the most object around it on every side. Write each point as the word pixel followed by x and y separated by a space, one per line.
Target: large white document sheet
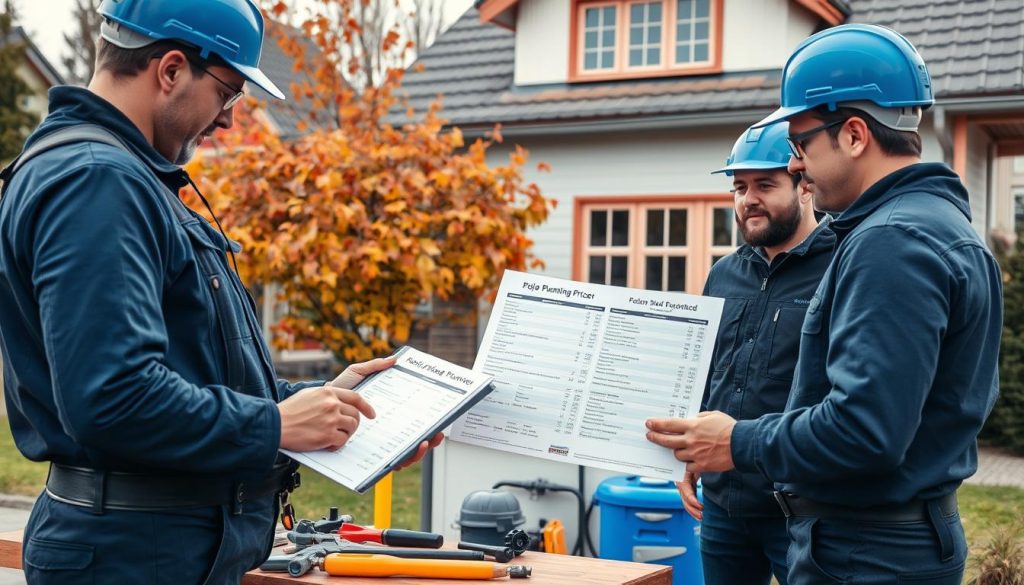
pixel 414 399
pixel 579 367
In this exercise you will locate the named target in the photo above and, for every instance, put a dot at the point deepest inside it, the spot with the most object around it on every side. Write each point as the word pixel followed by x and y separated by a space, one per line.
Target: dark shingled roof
pixel 972 48
pixel 280 68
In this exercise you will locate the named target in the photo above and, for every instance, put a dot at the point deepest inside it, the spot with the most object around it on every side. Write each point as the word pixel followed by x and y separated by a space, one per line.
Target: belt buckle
pixel 780 497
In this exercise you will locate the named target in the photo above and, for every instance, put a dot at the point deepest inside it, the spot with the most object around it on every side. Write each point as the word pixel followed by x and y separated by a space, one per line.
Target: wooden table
pixel 547 570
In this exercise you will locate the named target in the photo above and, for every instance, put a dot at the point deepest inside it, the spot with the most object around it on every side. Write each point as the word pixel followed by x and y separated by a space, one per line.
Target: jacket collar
pixel 934 179
pixel 70 106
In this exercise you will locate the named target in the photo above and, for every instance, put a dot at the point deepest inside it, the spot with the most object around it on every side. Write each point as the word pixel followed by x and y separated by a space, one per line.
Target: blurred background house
pixel 36 71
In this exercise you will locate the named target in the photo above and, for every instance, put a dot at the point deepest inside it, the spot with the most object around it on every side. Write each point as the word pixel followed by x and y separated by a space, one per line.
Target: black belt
pixel 913 511
pixel 139 492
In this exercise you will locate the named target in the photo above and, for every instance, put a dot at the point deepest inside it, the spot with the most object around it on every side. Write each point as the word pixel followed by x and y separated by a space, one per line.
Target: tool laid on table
pixel 390 536
pixel 313 547
pixel 329 523
pixel 501 554
pixel 383 565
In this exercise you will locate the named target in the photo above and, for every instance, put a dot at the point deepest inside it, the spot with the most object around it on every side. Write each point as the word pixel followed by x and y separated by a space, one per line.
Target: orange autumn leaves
pixel 358 221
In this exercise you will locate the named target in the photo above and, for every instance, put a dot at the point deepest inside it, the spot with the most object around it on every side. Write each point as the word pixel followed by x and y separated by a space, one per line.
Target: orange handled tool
pixel 382 565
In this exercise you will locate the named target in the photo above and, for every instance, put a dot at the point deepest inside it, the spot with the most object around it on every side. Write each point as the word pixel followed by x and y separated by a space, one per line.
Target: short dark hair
pixel 892 142
pixel 130 62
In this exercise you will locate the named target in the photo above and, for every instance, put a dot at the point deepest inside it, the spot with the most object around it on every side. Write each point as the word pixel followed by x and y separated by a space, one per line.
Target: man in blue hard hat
pixel 767 285
pixel 899 348
pixel 133 359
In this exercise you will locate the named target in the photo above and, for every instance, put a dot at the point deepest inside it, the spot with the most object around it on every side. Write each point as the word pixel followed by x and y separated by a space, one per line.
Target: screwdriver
pixel 390 536
pixel 379 565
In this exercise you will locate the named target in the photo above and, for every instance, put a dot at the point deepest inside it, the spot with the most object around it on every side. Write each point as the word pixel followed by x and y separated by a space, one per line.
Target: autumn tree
pixel 15 120
pixel 80 60
pixel 360 220
pixel 369 24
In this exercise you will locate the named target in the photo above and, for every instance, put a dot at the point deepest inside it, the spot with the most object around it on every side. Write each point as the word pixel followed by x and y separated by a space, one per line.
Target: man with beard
pixel 133 359
pixel 767 285
pixel 898 363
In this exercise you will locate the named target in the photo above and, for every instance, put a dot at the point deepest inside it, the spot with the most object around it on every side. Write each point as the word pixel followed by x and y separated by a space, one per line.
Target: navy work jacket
pixel 756 349
pixel 128 342
pixel 898 354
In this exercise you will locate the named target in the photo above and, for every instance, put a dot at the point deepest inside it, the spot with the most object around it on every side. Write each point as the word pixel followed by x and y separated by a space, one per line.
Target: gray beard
pixel 188 150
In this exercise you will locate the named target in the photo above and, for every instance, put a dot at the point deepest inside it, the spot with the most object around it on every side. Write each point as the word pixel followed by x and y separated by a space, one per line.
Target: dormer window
pixel 621 39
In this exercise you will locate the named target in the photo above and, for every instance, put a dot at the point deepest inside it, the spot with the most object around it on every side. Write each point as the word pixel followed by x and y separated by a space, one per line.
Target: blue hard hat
pixel 231 29
pixel 759 148
pixel 856 64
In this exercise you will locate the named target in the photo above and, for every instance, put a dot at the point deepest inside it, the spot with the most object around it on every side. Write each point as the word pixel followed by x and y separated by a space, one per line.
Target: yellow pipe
pixel 382 502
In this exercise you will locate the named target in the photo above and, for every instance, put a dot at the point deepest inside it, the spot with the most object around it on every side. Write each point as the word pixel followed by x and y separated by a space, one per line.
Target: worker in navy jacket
pixel 767 285
pixel 899 348
pixel 133 360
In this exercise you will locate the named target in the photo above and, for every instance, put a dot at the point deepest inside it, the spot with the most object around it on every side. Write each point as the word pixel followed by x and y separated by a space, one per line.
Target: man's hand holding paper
pixel 704 442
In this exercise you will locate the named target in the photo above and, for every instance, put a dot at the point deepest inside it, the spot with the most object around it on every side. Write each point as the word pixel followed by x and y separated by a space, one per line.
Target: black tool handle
pixel 412 553
pixel 302 563
pixel 399 537
pixel 501 554
pixel 276 564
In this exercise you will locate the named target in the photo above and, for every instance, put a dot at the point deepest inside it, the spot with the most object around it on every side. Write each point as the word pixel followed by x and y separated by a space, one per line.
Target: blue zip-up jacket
pixel 898 355
pixel 130 345
pixel 756 350
pixel 128 342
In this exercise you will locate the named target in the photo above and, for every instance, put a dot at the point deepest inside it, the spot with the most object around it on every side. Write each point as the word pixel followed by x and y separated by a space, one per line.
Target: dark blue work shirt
pixel 898 355
pixel 128 342
pixel 756 349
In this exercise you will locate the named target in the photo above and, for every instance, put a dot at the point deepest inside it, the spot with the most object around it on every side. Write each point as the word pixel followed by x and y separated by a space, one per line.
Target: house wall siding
pixel 542 42
pixel 976 180
pixel 761 35
pixel 38 102
pixel 665 162
pixel 542 37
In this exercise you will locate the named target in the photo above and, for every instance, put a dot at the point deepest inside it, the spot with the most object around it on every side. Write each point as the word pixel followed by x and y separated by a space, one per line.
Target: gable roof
pixel 972 47
pixel 36 59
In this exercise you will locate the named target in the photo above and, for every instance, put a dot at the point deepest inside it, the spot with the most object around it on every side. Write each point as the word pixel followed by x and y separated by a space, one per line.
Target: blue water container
pixel 643 520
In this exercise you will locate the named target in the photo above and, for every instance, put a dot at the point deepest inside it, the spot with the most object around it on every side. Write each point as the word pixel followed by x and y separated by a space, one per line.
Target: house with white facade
pixel 633 102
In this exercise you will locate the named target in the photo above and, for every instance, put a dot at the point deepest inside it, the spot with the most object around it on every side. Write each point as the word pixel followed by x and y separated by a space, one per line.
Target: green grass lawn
pixel 984 509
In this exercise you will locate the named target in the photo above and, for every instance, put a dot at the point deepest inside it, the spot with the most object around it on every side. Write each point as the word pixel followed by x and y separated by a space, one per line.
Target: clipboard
pixel 420 396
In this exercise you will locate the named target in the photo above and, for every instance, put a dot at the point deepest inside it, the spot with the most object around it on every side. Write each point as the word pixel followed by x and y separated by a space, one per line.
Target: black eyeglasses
pixel 236 93
pixel 798 142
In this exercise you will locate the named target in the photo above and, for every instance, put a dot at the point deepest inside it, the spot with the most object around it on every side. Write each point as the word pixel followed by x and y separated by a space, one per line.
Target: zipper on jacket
pixel 764 284
pixel 775 319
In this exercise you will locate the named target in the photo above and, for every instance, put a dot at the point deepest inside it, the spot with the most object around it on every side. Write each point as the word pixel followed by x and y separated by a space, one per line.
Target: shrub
pixel 1005 426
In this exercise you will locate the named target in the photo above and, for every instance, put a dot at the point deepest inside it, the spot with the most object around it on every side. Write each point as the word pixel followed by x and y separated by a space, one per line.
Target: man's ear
pixel 857 137
pixel 170 70
pixel 804 193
